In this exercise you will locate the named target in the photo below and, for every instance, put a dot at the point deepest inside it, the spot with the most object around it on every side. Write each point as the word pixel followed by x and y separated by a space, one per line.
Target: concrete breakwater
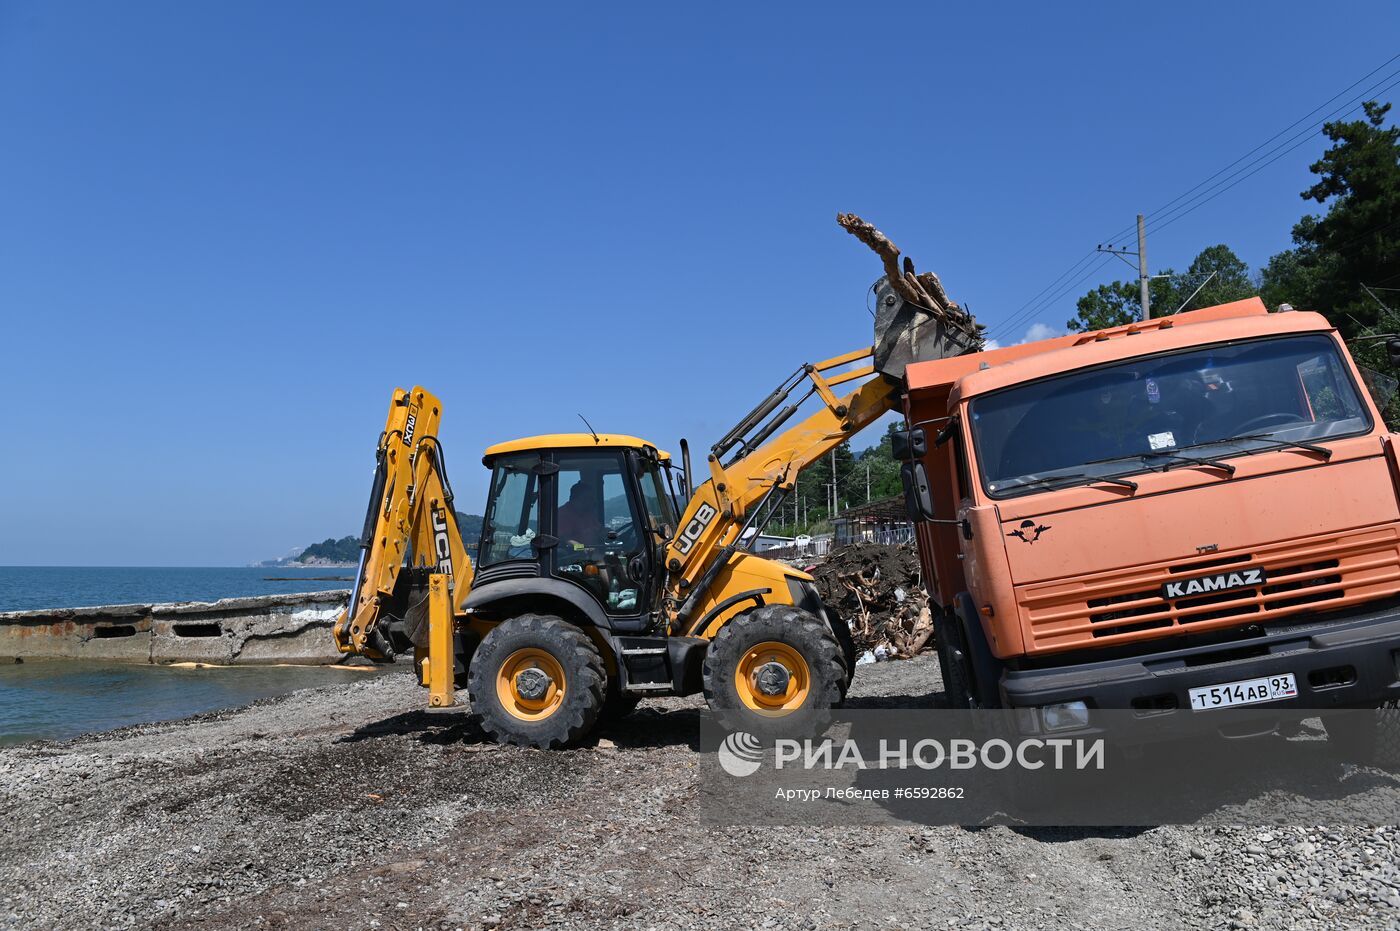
pixel 263 629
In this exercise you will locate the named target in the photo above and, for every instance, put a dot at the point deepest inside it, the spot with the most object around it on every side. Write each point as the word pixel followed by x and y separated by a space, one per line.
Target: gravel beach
pixel 348 807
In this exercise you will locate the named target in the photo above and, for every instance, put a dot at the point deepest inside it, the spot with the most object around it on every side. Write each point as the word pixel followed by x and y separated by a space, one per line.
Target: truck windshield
pixel 1142 414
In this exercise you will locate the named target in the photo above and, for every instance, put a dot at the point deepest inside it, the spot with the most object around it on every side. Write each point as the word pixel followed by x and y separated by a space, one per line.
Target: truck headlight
pixel 1065 716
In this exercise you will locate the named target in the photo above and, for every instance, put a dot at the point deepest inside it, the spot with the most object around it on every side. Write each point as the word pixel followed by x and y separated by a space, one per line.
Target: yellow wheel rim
pixel 753 662
pixel 526 705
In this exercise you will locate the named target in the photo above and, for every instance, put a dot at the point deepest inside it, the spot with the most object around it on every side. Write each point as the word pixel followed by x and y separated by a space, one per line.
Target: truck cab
pixel 1167 516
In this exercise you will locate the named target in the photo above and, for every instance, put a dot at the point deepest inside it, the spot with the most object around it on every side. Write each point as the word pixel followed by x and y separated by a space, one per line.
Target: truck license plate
pixel 1244 692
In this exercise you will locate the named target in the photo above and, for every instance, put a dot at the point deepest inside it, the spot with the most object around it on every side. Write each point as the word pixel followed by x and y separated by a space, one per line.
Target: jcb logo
pixel 408 429
pixel 697 526
pixel 441 543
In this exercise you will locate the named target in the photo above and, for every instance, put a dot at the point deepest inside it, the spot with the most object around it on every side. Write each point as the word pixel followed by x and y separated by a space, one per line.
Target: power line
pixel 1157 210
pixel 1161 222
pixel 1163 217
pixel 1087 257
pixel 1011 326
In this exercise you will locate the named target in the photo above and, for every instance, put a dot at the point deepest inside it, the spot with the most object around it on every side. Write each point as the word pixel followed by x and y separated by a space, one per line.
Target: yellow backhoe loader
pixel 605 575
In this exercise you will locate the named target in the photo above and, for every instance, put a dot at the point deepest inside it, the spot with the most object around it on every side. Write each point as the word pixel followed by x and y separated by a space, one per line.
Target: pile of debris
pixel 877 589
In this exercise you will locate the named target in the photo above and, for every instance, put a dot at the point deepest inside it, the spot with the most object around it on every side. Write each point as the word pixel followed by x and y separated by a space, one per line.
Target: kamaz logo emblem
pixel 1224 582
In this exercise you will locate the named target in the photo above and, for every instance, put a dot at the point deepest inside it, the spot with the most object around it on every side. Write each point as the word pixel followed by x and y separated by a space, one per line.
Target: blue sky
pixel 228 230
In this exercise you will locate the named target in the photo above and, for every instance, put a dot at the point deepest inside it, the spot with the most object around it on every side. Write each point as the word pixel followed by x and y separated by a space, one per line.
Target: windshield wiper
pixel 1192 460
pixel 1189 460
pixel 1280 443
pixel 1074 478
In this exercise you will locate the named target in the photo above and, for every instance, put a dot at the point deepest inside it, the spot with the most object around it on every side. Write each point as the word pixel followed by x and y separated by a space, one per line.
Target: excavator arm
pixel 747 489
pixel 914 321
pixel 410 521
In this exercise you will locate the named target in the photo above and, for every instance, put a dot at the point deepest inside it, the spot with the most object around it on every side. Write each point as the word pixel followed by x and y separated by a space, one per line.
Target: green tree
pixel 814 485
pixel 1226 278
pixel 346 549
pixel 1357 241
pixel 883 468
pixel 814 489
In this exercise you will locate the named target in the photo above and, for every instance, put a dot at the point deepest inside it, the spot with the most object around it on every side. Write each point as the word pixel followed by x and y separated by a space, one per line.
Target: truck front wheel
pixel 773 669
pixel 537 681
pixel 953 661
pixel 1367 737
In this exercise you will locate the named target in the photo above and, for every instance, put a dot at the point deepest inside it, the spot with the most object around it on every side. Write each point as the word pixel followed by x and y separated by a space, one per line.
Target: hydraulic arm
pixel 410 522
pixel 745 491
pixel 914 321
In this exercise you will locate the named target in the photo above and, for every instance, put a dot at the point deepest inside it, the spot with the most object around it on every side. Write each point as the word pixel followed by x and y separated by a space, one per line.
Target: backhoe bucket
pixel 906 333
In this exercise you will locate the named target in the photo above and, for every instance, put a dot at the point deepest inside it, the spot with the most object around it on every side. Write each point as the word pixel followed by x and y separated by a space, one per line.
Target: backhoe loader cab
pixel 587 512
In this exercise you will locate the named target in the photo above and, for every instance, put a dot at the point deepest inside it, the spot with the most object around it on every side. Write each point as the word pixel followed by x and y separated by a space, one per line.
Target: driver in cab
pixel 580 519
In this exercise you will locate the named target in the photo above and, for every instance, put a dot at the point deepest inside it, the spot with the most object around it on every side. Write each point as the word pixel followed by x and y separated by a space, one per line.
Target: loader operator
pixel 579 519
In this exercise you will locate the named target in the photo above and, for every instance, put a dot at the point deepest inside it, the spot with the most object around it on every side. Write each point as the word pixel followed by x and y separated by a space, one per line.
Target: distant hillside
pixel 328 551
pixel 346 550
pixel 470 525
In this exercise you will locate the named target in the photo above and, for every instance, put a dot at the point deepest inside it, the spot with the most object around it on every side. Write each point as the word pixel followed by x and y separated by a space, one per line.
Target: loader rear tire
pixel 537 681
pixel 618 704
pixel 776 669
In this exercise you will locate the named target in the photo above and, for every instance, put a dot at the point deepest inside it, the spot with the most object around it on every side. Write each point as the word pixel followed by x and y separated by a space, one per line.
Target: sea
pixel 61 699
pixel 25 588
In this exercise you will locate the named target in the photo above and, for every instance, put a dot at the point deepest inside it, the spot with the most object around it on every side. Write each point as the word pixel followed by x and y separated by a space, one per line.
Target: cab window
pixel 595 523
pixel 655 499
pixel 513 510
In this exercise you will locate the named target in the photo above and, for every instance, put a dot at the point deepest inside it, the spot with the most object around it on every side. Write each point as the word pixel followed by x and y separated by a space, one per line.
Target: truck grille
pixel 1320 574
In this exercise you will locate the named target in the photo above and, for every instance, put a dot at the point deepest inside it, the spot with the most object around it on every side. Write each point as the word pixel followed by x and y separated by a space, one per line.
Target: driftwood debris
pixel 878 591
pixel 924 289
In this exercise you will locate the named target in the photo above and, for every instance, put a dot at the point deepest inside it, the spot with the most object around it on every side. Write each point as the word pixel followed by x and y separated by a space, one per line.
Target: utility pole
pixel 1142 271
pixel 867 483
pixel 833 484
pixel 1143 277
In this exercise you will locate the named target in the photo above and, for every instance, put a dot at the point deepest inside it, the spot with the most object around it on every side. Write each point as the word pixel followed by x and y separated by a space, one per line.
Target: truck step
pixel 648 687
pixel 645 651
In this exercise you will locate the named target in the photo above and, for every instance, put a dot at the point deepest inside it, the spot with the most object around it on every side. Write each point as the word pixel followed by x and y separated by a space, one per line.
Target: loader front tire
pixel 537 681
pixel 842 632
pixel 776 669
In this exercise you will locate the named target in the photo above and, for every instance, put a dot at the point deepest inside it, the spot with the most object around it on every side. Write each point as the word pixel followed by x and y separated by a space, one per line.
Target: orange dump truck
pixel 1186 514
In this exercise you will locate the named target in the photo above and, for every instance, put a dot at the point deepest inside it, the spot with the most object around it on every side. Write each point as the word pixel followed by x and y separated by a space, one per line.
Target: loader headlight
pixel 1065 716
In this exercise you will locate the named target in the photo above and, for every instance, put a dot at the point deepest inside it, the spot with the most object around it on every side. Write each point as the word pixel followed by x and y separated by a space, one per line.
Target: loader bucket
pixel 906 333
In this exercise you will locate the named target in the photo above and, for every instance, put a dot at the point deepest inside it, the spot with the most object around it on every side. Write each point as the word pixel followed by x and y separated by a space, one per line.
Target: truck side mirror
pixel 908 444
pixel 918 497
pixel 1392 349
